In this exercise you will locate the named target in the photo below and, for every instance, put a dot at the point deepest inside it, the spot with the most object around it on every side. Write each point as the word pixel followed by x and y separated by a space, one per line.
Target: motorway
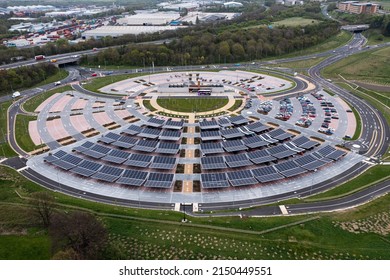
pixel 375 135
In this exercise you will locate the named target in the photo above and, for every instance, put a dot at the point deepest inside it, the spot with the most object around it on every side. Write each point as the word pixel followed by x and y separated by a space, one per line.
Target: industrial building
pixel 163 18
pixel 356 7
pixel 116 31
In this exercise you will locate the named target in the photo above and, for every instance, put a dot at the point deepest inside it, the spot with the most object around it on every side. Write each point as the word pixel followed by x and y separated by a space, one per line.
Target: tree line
pixel 25 77
pixel 255 16
pixel 208 47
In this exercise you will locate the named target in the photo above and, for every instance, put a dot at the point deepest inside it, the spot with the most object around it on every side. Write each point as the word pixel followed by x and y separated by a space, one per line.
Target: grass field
pixel 147 234
pixel 301 64
pixel 188 105
pixel 370 66
pixel 22 135
pixel 5 148
pixel 31 104
pixel 148 105
pixel 97 83
pixel 295 21
pixel 373 174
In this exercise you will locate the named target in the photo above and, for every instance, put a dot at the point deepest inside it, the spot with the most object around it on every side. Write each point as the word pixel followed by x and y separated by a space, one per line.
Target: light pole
pixel 184 213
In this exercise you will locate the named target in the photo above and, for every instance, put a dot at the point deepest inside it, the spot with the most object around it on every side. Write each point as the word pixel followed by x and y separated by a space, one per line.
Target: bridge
pixel 355 28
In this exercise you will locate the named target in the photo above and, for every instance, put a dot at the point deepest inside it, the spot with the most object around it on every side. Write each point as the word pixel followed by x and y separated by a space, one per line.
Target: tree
pixel 80 232
pixel 43 204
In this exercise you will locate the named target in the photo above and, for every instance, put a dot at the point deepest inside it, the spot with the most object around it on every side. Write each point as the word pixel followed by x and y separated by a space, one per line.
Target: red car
pixel 94 75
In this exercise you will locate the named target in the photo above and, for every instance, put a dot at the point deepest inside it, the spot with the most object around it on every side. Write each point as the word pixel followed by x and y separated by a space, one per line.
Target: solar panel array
pixel 257 127
pixel 214 180
pixel 205 124
pixel 159 180
pixel 154 122
pixel 133 178
pixel 152 133
pixel 238 120
pixel 224 122
pixel 138 160
pixel 147 146
pixel 304 142
pixel 170 135
pixel 234 146
pixel 97 151
pixel 231 133
pixel 241 178
pixel 254 142
pixel 213 162
pixel 133 129
pixel 160 162
pixel 211 148
pixel 208 135
pixel 280 134
pixel 170 124
pixel 125 142
pixel 239 160
pixel 168 148
pixel 210 131
pixel 109 138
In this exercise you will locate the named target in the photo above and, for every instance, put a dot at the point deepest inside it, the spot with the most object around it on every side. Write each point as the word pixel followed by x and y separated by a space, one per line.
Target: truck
pixel 39 57
pixel 16 94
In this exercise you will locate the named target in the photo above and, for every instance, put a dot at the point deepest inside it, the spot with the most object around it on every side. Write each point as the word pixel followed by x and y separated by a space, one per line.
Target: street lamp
pixel 184 213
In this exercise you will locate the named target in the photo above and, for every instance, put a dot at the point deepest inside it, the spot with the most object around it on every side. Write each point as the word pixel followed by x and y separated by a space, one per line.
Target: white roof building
pixel 149 19
pixel 233 4
pixel 116 31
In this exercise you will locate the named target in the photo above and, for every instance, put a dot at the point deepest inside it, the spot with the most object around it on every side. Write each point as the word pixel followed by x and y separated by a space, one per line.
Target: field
pixel 301 64
pixel 295 21
pixel 188 105
pixel 145 234
pixel 370 66
pixel 97 83
pixel 5 148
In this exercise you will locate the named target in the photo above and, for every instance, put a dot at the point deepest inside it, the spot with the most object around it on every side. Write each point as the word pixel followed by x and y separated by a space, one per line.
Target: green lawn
pixel 188 105
pixel 296 21
pixel 24 247
pixel 96 83
pixel 5 148
pixel 370 66
pixel 147 234
pixel 148 105
pixel 373 174
pixel 300 64
pixel 22 135
pixel 31 104
pixel 236 105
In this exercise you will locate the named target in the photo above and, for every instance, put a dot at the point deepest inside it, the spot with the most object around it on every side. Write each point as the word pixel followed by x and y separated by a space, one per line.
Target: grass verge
pixel 97 83
pixel 188 105
pixel 22 135
pixel 5 148
pixel 374 174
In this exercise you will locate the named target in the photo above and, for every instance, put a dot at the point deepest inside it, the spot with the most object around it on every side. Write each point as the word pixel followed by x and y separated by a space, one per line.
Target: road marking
pixel 23 168
pixel 177 207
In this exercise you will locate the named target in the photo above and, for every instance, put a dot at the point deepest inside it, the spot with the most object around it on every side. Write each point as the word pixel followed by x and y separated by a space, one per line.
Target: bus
pixel 204 92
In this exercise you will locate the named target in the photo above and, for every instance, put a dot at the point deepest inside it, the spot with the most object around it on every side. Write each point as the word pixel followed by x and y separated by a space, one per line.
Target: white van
pixel 16 94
